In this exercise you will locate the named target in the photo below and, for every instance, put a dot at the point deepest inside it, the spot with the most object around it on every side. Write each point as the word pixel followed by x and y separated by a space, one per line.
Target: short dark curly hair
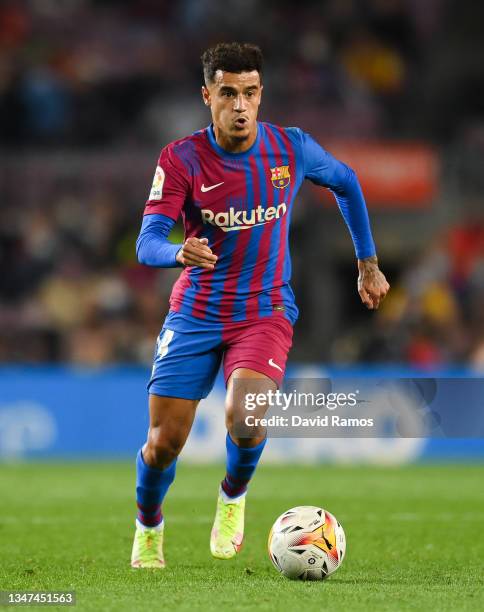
pixel 231 57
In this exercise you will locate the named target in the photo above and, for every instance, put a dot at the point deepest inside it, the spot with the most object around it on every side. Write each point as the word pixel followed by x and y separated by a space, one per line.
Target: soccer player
pixel 235 184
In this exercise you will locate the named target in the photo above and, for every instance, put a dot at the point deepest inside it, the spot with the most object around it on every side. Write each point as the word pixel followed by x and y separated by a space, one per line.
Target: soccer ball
pixel 307 543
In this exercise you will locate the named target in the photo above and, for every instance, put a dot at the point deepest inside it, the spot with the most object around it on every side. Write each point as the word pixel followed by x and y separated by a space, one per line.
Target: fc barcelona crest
pixel 280 176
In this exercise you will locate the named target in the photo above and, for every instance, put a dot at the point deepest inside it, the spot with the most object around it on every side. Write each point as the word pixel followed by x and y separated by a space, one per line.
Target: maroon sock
pixel 149 516
pixel 233 487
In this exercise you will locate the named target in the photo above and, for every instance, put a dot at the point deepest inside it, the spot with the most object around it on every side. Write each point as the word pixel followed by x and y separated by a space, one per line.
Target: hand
pixel 196 252
pixel 372 284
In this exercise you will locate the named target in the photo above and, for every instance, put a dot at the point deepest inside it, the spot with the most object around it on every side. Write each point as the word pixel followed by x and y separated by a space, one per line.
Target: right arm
pixel 153 247
pixel 167 196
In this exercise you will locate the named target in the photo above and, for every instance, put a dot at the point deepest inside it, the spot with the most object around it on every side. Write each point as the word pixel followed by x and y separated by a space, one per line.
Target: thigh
pixel 172 413
pixel 185 364
pixel 261 346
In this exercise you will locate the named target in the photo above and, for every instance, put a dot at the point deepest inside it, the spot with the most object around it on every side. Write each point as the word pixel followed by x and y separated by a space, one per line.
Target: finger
pixel 197 258
pixel 375 297
pixel 365 298
pixel 193 260
pixel 385 287
pixel 383 292
pixel 198 244
pixel 198 264
pixel 201 257
pixel 195 243
pixel 200 251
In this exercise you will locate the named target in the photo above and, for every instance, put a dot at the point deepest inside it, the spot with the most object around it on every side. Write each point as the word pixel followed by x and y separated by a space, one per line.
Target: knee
pixel 162 448
pixel 244 433
pixel 234 419
pixel 230 419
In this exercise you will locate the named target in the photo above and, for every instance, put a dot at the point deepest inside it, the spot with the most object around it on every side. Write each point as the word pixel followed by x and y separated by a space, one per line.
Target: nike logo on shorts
pixel 274 365
pixel 205 189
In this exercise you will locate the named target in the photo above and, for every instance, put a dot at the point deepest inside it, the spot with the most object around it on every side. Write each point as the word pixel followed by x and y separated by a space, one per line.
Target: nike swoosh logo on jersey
pixel 205 189
pixel 274 365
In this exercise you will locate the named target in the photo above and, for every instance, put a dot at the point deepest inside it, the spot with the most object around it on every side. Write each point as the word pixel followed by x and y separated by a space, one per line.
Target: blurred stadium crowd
pixel 90 91
pixel 87 72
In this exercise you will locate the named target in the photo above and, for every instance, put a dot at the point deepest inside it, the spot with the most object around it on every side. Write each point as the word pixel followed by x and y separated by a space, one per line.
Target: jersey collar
pixel 227 154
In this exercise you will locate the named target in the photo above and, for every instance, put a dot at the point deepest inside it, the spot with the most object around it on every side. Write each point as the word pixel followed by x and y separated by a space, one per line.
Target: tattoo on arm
pixel 373 260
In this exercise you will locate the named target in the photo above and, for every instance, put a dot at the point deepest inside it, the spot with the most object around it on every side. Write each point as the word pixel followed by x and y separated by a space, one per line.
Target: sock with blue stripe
pixel 151 487
pixel 241 465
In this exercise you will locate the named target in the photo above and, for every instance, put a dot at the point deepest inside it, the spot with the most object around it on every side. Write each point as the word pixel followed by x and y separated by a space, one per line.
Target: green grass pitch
pixel 414 534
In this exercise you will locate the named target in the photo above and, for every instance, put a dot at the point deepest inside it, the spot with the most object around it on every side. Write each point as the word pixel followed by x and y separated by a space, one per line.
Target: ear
pixel 205 95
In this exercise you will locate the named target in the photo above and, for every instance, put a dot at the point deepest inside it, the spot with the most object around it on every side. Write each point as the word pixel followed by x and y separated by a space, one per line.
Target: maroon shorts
pixel 261 345
pixel 188 353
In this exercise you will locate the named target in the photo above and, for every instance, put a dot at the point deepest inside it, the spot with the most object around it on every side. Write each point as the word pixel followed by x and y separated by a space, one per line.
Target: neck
pixel 234 144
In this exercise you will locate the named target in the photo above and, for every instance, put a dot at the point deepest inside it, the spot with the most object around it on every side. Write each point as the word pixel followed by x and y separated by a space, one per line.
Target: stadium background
pixel 89 93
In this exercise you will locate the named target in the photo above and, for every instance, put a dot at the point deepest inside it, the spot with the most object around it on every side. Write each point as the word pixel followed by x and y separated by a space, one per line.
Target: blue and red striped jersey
pixel 242 203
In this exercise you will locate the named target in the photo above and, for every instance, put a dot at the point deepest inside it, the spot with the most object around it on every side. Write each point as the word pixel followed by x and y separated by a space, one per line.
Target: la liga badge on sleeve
pixel 156 192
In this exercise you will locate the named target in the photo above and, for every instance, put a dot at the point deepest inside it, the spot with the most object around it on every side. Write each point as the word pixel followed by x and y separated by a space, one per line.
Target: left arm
pixel 372 284
pixel 323 169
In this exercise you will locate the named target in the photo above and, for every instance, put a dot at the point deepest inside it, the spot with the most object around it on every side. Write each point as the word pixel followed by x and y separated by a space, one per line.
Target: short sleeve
pixel 170 186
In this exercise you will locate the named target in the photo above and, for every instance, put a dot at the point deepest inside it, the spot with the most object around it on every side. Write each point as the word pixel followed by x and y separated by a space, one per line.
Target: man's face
pixel 234 102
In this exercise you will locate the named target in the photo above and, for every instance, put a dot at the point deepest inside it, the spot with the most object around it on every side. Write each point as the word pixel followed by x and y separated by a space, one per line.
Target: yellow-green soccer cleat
pixel 148 548
pixel 228 527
